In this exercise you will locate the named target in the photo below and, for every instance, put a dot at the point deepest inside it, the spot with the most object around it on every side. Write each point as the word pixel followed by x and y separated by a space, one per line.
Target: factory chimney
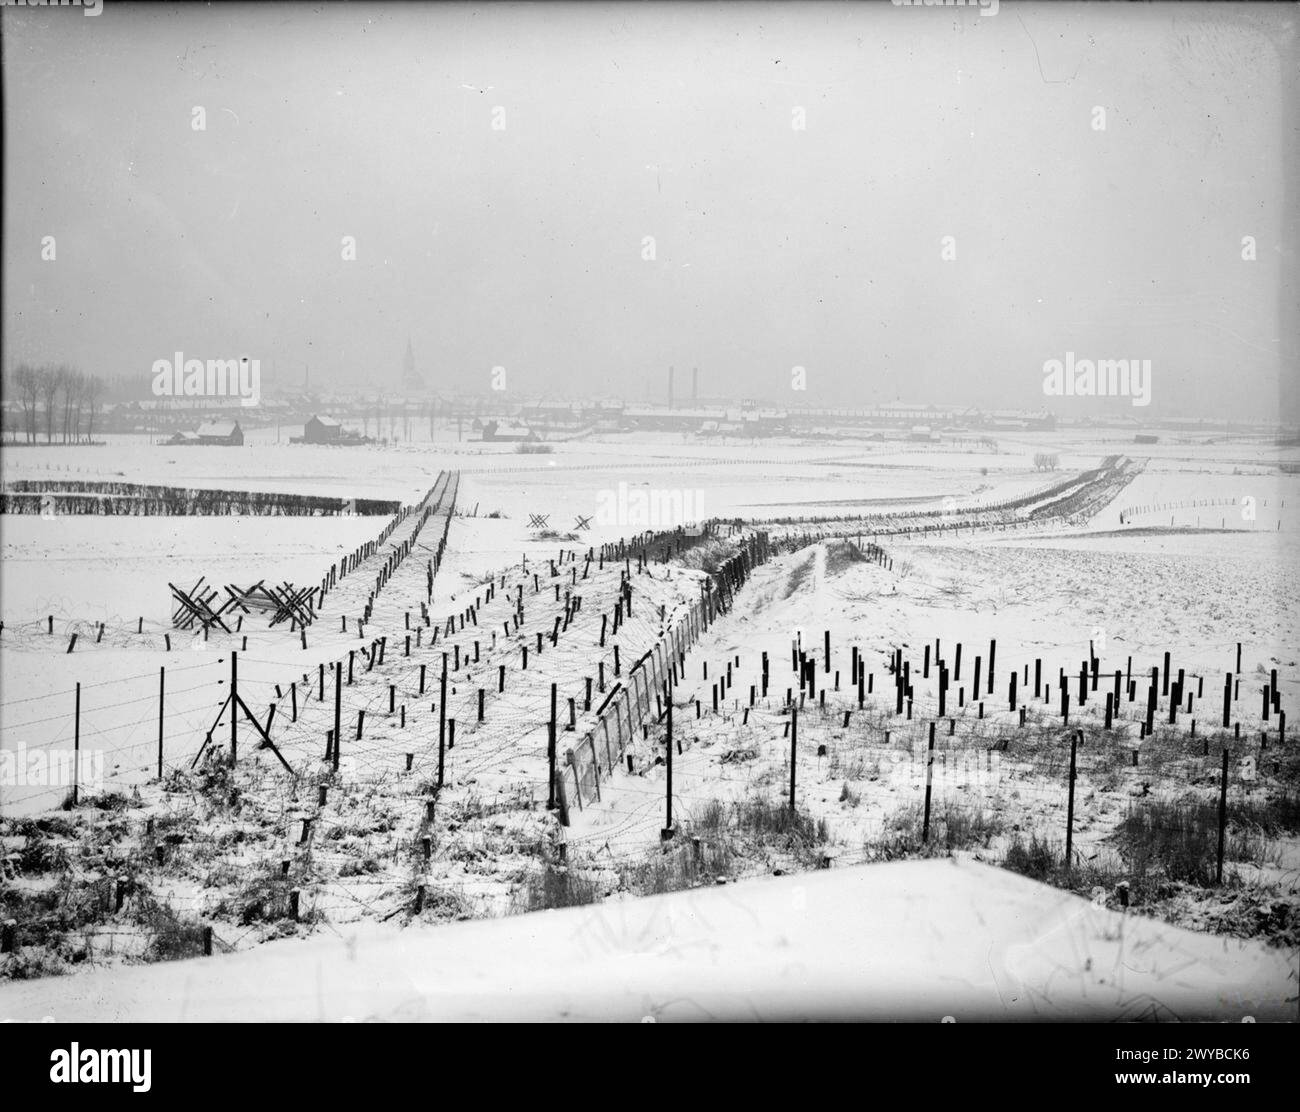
pixel 695 384
pixel 670 387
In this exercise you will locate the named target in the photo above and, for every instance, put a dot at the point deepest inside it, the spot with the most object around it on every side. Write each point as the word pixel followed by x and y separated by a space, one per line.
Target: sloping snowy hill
pixel 917 940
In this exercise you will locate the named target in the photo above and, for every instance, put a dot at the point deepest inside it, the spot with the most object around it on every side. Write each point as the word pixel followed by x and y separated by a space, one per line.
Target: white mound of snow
pixel 918 940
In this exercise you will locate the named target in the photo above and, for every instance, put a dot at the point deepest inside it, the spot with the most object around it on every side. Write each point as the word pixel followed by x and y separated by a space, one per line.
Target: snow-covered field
pixel 914 941
pixel 1213 566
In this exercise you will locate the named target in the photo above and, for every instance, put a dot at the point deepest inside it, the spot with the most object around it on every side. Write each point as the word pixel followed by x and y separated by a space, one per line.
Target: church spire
pixel 411 381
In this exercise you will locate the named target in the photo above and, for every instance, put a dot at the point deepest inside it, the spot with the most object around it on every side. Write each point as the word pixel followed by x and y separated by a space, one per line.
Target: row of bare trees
pixel 396 412
pixel 62 399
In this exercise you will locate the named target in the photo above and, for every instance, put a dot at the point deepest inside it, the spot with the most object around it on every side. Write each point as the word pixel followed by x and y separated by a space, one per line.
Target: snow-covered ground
pixel 1136 590
pixel 919 941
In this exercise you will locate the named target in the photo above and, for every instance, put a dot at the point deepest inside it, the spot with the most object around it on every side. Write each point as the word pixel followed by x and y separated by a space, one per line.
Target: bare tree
pixel 67 386
pixel 48 387
pixel 27 381
pixel 73 383
pixel 94 388
pixel 83 382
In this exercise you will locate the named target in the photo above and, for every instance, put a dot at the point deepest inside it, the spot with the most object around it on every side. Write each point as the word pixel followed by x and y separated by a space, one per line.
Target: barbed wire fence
pixel 375 675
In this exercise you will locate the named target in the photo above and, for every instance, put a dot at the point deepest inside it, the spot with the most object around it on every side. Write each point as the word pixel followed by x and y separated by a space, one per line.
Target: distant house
pixel 321 430
pixel 1146 438
pixel 553 412
pixel 922 432
pixel 503 432
pixel 220 432
pixel 1039 420
pixel 897 412
pixel 643 417
pixel 187 436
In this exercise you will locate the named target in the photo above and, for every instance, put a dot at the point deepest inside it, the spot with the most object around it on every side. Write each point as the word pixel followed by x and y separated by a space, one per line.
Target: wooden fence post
pixel 550 754
pixel 338 712
pixel 794 736
pixel 76 748
pixel 1223 816
pixel 442 720
pixel 1069 807
pixel 668 824
pixel 162 687
pixel 234 706
pixel 929 781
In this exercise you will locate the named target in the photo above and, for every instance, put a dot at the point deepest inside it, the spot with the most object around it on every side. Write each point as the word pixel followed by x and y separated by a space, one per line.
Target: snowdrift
pixel 916 940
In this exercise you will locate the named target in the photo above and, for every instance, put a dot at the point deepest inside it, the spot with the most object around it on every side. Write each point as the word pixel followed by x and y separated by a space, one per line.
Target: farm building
pixel 1025 419
pixel 220 432
pixel 212 432
pixel 321 429
pixel 503 432
pixel 900 412
pixel 553 412
pixel 661 417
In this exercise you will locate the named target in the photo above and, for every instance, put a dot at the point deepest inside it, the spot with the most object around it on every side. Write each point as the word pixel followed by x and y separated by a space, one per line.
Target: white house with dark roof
pixel 220 432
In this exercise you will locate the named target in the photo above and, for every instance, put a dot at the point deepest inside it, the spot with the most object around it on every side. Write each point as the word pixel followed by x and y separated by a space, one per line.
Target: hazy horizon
pixel 775 246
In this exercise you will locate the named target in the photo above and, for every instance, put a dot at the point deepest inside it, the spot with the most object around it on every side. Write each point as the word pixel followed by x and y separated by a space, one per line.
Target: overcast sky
pixel 774 246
